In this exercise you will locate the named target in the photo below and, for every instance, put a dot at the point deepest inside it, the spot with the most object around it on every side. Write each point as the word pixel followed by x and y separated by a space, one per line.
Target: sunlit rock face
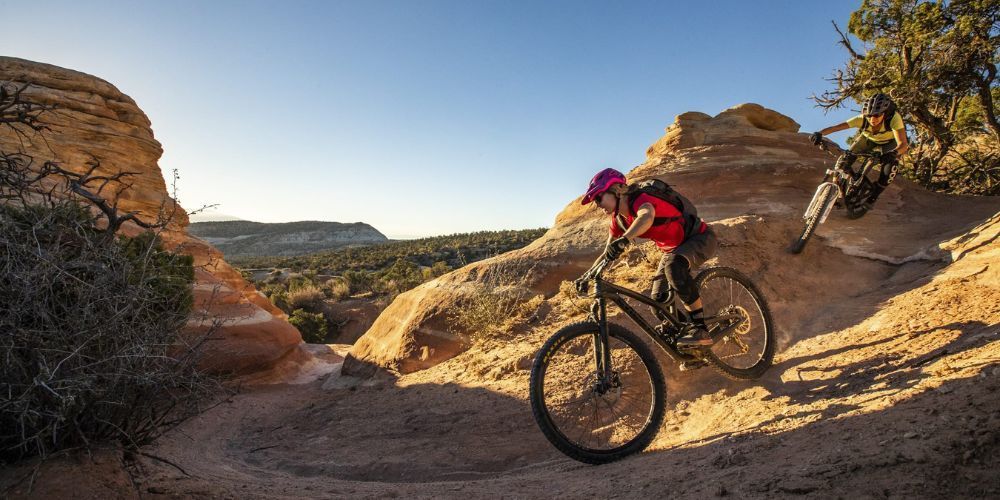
pixel 751 173
pixel 93 120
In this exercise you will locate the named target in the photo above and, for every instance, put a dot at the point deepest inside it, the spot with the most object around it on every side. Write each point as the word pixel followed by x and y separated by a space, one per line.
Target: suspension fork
pixel 602 349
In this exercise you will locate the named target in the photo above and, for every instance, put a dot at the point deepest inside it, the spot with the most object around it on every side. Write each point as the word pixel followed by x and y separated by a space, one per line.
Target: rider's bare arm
pixel 903 144
pixel 601 257
pixel 834 128
pixel 643 221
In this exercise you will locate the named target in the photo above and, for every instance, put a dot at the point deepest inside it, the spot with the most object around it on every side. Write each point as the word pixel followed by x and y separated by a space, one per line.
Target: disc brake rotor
pixel 744 326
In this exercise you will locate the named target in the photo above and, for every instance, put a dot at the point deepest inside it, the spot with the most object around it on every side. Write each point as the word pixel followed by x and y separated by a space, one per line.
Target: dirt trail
pixel 889 391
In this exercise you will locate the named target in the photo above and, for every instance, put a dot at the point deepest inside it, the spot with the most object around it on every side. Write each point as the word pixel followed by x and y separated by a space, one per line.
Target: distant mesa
pixel 239 238
pixel 210 216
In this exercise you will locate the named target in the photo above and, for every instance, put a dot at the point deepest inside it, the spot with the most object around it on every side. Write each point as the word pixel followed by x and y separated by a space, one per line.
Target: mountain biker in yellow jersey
pixel 881 129
pixel 687 242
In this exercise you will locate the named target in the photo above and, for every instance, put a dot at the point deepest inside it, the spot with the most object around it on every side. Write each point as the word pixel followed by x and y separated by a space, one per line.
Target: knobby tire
pixel 541 412
pixel 767 353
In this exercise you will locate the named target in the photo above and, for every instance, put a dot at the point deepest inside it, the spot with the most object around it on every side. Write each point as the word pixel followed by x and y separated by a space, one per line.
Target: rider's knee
pixel 888 175
pixel 680 278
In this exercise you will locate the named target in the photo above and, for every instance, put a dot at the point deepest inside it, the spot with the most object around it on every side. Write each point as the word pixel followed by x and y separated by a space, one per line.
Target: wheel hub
pixel 744 327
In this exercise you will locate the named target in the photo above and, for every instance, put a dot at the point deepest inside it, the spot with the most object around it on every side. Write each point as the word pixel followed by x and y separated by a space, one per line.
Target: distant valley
pixel 250 239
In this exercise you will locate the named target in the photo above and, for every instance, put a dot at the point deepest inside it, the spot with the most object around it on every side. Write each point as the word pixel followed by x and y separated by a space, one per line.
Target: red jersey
pixel 666 236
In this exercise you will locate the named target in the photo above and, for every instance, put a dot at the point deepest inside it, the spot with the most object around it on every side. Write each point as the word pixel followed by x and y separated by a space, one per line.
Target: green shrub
pixel 359 281
pixel 312 326
pixel 278 296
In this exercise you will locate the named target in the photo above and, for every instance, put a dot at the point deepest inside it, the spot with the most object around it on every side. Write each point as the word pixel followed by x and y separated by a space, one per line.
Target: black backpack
pixel 663 191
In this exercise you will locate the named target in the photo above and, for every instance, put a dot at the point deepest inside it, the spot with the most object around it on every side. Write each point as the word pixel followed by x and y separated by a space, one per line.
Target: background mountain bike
pixel 597 391
pixel 853 188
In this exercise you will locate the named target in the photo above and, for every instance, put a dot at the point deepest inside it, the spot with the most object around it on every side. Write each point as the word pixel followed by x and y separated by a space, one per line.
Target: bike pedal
pixel 694 350
pixel 695 364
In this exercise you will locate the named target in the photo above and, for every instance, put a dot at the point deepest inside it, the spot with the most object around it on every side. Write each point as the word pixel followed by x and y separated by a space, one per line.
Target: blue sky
pixel 427 117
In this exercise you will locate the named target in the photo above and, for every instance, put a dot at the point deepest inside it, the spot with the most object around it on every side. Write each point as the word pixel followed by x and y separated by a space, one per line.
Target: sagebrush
pixel 496 301
pixel 90 320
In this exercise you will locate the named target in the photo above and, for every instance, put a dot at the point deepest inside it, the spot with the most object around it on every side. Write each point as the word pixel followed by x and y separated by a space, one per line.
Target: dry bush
pixel 974 168
pixel 90 321
pixel 497 301
pixel 337 289
pixel 306 297
pixel 89 333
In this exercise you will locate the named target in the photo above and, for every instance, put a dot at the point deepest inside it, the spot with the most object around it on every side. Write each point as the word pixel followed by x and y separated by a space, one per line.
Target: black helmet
pixel 877 104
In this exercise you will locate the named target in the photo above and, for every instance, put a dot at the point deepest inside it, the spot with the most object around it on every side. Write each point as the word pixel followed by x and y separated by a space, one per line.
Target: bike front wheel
pixel 747 350
pixel 588 420
pixel 823 200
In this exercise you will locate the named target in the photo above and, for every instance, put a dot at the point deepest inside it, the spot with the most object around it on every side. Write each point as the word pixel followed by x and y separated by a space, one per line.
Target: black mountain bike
pixel 852 188
pixel 597 391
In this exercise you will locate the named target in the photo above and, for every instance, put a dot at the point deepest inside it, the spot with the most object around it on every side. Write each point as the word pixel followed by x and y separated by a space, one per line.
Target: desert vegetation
pixel 90 328
pixel 453 250
pixel 305 286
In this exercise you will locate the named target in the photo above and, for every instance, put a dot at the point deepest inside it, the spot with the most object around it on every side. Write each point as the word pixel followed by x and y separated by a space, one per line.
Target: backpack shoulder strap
pixel 659 195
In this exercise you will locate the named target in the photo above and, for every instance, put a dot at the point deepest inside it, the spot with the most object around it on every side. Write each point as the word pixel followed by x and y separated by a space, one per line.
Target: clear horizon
pixel 433 117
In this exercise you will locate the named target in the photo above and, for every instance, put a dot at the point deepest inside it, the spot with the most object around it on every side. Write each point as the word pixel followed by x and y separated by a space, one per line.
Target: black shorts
pixel 698 248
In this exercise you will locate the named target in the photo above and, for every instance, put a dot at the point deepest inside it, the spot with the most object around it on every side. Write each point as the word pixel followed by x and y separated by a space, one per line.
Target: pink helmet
pixel 601 182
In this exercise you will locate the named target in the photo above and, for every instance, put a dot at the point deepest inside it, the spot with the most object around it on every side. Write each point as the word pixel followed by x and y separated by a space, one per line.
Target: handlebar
pixel 592 274
pixel 824 145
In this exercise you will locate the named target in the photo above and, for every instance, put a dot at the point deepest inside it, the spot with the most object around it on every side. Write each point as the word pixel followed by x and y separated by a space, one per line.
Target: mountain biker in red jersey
pixel 881 129
pixel 637 216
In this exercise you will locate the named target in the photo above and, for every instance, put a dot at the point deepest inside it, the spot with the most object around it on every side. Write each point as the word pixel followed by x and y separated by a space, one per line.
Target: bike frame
pixel 832 179
pixel 605 291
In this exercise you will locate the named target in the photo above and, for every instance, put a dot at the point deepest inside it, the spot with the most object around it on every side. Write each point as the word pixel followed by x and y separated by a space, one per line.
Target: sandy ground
pixel 885 386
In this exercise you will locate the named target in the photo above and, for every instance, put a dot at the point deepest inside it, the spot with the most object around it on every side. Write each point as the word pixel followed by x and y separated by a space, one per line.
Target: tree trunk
pixel 942 140
pixel 986 99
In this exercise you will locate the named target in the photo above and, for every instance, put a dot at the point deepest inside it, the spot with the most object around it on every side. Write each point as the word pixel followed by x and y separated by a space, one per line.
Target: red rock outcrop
pixel 745 167
pixel 92 119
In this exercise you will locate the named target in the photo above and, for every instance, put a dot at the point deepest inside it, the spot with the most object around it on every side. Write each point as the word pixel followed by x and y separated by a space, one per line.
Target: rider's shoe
pixel 697 337
pixel 693 364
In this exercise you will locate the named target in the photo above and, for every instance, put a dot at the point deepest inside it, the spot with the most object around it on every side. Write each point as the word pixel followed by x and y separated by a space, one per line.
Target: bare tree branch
pixel 846 42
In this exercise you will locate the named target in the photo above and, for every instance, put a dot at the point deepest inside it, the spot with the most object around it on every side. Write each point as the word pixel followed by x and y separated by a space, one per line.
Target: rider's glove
pixel 581 284
pixel 816 138
pixel 616 248
pixel 888 157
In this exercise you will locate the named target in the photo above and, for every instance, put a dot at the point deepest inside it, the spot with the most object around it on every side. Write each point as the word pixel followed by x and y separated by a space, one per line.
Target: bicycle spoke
pixel 745 344
pixel 590 419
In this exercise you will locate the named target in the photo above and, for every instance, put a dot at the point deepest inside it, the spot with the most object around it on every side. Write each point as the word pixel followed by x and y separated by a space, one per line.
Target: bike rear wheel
pixel 589 423
pixel 855 204
pixel 747 351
